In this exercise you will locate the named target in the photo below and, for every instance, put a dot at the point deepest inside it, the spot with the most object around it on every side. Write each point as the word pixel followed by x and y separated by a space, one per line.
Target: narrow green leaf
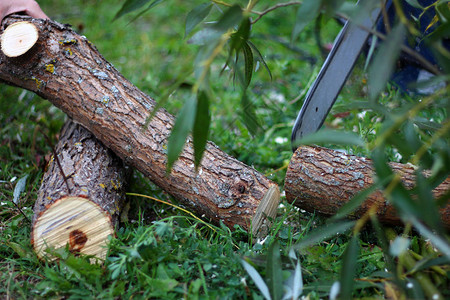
pixel 181 128
pixel 384 244
pixel 426 202
pixel 232 17
pixel 205 36
pixel 412 137
pixel 153 4
pixel 348 270
pixel 19 188
pixel 248 64
pixel 274 277
pixel 132 5
pixel 355 202
pixel 443 11
pixel 371 51
pixel 201 126
pixel 241 36
pixel 19 249
pixel 397 194
pixel 260 58
pixel 248 115
pixel 195 16
pixel 414 3
pixel 181 78
pixel 384 61
pixel 307 12
pixel 323 233
pixel 414 289
pixel 262 286
pixel 332 6
pixel 330 137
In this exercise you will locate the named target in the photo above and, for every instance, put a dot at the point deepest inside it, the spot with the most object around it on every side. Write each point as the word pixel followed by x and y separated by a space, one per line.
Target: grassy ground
pixel 161 252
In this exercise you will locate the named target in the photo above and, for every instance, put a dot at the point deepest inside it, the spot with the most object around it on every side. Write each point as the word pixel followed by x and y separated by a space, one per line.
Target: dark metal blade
pixel 332 76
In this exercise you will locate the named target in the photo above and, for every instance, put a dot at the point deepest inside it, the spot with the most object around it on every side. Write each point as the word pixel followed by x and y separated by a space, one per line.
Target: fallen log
pixel 80 197
pixel 67 69
pixel 323 180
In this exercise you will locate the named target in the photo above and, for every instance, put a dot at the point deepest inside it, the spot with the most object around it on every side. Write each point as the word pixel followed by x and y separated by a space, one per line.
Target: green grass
pixel 161 252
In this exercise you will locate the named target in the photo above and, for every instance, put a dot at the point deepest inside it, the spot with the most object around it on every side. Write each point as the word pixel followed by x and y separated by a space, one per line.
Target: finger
pixel 33 10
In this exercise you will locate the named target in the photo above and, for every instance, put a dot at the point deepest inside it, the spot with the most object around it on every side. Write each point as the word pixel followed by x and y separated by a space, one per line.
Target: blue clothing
pixel 408 69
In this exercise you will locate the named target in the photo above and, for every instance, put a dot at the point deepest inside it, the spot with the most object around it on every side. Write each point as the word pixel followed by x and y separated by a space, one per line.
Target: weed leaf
pixel 201 126
pixel 262 286
pixel 195 16
pixel 274 277
pixel 181 129
pixel 132 5
pixel 440 243
pixel 349 268
pixel 19 249
pixel 307 12
pixel 323 233
pixel 20 187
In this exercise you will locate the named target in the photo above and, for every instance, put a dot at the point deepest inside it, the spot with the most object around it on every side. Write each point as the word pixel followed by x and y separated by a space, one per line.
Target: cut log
pixel 323 180
pixel 18 38
pixel 80 197
pixel 67 69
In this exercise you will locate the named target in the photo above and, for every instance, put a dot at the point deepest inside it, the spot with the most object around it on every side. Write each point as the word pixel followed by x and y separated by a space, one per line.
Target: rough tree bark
pixel 323 180
pixel 67 69
pixel 81 195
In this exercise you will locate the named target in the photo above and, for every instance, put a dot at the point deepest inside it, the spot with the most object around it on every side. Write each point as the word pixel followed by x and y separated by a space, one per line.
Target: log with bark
pixel 68 70
pixel 80 197
pixel 323 180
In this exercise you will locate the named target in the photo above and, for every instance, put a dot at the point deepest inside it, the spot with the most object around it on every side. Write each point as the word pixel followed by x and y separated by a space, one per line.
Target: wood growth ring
pixel 18 38
pixel 74 221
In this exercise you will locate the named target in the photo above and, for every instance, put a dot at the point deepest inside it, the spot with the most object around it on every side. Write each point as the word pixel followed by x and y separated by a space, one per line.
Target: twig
pixel 221 3
pixel 422 60
pixel 21 211
pixel 387 24
pixel 261 14
pixel 55 155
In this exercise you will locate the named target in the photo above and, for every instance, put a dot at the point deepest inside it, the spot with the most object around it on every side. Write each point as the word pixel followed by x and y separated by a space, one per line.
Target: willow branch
pixel 263 13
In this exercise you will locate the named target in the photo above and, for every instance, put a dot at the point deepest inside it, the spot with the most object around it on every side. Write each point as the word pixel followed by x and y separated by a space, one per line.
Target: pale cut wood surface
pixel 76 221
pixel 67 69
pixel 18 38
pixel 81 195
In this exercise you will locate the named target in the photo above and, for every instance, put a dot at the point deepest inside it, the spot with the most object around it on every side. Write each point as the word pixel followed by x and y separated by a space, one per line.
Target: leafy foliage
pixel 182 54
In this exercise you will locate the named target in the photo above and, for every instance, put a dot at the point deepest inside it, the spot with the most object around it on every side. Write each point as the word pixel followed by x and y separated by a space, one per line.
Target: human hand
pixel 30 7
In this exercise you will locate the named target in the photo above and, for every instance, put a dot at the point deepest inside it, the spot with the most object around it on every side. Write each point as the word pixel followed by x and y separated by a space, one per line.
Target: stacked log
pixel 68 70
